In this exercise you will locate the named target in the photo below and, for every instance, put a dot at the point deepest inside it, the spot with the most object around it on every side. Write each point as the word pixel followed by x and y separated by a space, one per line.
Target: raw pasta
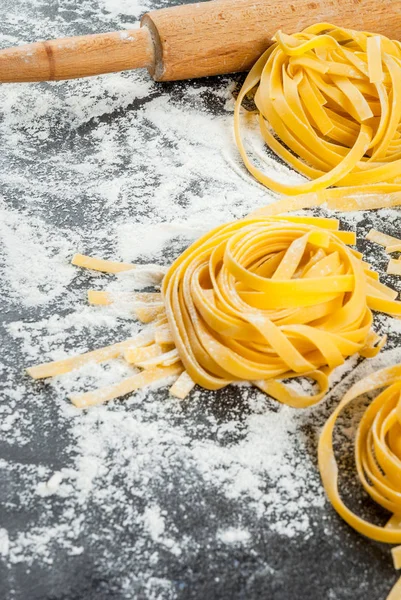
pixel 328 102
pixel 266 299
pixel 391 244
pixel 377 456
pixel 263 299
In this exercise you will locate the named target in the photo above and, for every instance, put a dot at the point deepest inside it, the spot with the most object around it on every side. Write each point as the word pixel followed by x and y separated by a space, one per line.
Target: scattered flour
pixel 39 281
pixel 4 542
pixel 233 536
pixel 120 167
pixel 51 486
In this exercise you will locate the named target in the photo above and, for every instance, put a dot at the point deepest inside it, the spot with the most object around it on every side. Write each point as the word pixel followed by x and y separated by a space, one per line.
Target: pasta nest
pixel 377 458
pixel 262 300
pixel 271 298
pixel 328 102
pixel 377 454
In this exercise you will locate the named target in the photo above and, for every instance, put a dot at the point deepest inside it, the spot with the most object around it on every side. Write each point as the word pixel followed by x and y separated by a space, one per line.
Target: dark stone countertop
pixel 81 162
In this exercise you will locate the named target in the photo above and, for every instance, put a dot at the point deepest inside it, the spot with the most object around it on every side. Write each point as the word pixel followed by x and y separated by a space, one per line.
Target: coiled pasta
pixel 265 299
pixel 377 453
pixel 329 104
pixel 271 298
pixel 262 299
pixel 377 456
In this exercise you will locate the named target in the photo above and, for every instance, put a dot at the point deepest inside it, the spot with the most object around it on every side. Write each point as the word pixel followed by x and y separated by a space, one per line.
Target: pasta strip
pixel 106 298
pixel 163 335
pixel 140 354
pixel 145 306
pixel 59 367
pixel 165 359
pixel 396 554
pixel 382 238
pixel 182 387
pixel 264 299
pixel 136 382
pixel 393 248
pixel 395 593
pixel 394 267
pixel 147 312
pixel 332 111
pixel 99 264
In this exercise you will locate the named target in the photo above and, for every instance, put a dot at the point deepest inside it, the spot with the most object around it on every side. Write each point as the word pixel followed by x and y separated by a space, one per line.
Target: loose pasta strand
pixel 391 244
pixel 183 386
pixel 99 264
pixel 59 367
pixel 131 384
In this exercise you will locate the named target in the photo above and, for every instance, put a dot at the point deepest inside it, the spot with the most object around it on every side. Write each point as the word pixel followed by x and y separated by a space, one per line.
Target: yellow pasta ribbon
pixel 377 457
pixel 328 102
pixel 377 452
pixel 264 299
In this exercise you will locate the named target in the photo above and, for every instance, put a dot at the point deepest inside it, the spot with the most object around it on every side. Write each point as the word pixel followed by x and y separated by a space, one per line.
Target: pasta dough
pixel 328 102
pixel 262 299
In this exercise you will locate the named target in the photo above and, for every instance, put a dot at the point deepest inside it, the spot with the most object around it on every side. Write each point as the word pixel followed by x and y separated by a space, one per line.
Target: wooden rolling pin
pixel 193 40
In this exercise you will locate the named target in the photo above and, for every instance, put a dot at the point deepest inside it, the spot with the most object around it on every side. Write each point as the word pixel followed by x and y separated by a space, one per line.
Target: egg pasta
pixel 328 103
pixel 263 299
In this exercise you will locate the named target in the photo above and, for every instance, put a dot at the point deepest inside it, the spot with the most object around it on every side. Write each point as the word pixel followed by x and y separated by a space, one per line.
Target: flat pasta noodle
pixel 377 457
pixel 382 238
pixel 100 264
pixel 126 386
pixel 394 267
pixel 393 248
pixel 263 299
pixel 395 593
pixel 266 299
pixel 135 355
pixel 391 244
pixel 66 365
pixel 328 103
pixel 182 386
pixel 146 306
pixel 102 298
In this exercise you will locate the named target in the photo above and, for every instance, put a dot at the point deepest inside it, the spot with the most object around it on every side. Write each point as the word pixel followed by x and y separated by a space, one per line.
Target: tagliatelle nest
pixel 261 300
pixel 328 103
pixel 265 299
pixel 377 457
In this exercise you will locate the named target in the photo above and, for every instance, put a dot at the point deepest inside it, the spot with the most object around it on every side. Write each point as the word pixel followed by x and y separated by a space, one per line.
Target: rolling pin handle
pixel 70 58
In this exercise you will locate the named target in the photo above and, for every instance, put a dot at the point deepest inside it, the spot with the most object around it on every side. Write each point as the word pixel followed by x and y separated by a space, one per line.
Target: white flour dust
pixel 123 168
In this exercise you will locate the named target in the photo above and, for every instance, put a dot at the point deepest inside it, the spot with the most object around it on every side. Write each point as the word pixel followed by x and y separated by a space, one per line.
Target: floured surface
pixel 217 497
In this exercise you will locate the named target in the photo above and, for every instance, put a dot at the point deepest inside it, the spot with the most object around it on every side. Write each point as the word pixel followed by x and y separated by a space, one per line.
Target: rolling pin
pixel 193 40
